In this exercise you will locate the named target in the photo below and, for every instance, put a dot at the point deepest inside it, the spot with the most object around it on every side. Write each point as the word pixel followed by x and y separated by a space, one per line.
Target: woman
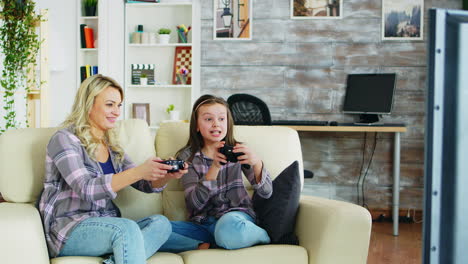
pixel 85 168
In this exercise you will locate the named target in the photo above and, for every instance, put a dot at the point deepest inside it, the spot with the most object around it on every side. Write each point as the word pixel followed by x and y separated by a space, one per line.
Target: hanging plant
pixel 20 45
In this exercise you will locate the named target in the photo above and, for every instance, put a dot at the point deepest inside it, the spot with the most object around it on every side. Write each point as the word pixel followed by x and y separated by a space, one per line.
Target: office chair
pixel 249 110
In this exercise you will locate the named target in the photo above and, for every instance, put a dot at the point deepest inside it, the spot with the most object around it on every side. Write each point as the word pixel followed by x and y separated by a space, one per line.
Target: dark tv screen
pixel 369 93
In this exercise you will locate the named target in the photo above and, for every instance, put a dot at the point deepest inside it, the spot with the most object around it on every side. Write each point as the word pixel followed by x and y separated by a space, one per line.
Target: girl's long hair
pixel 195 142
pixel 79 121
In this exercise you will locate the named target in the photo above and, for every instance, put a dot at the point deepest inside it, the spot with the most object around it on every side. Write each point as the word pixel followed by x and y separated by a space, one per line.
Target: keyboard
pixel 299 123
pixel 373 124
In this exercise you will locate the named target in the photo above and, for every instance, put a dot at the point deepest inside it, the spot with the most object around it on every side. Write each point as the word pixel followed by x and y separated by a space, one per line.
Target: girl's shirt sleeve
pixel 198 190
pixel 265 187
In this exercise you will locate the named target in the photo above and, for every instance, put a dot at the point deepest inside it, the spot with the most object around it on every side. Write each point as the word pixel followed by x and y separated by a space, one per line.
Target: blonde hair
pixel 79 120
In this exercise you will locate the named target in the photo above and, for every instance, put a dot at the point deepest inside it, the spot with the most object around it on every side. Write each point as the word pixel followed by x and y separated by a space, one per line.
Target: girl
pixel 220 210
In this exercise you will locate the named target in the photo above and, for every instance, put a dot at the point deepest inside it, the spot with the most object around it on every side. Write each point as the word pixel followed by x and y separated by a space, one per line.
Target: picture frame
pixel 232 19
pixel 402 19
pixel 182 58
pixel 141 111
pixel 316 9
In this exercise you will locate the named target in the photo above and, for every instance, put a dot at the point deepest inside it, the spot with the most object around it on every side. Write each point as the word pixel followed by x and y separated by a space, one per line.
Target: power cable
pixel 367 169
pixel 360 170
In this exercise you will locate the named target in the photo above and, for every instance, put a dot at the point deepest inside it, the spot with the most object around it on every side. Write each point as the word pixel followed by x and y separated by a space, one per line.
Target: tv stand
pixel 368 118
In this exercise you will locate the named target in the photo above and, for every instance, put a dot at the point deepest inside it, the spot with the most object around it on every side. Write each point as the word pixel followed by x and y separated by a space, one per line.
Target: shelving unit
pixel 87 56
pixel 154 16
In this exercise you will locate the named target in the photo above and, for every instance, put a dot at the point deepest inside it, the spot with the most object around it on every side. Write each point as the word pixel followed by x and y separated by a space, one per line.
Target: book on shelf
pixel 82 36
pixel 89 37
pixel 139 69
pixel 87 71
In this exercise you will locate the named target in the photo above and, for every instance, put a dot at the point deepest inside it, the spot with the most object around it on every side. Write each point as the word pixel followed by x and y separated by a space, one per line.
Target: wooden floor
pixel 403 249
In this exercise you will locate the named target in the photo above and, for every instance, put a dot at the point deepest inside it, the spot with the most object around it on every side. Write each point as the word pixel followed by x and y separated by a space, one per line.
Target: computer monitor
pixel 369 95
pixel 445 236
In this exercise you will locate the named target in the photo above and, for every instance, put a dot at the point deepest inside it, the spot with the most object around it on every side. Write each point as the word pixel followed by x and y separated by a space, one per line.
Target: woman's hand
pixel 152 169
pixel 249 156
pixel 178 174
pixel 166 176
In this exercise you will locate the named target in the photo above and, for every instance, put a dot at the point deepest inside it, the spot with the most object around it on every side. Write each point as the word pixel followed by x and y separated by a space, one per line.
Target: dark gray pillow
pixel 277 215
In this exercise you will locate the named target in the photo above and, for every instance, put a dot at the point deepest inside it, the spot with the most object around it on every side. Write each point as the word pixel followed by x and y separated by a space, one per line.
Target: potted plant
pixel 164 35
pixel 143 79
pixel 174 115
pixel 90 7
pixel 20 45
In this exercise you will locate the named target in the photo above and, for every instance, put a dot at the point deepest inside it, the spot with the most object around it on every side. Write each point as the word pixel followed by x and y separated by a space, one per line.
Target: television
pixel 369 95
pixel 445 226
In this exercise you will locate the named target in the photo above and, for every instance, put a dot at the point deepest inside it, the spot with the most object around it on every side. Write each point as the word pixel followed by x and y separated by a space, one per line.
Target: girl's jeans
pixel 233 230
pixel 130 242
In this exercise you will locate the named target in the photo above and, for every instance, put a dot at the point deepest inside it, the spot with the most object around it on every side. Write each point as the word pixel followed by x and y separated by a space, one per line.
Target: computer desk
pixel 396 155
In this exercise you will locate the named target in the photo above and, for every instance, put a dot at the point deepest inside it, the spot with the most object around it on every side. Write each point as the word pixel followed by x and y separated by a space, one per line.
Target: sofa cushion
pixel 271 254
pixel 22 170
pixel 277 215
pixel 158 258
pixel 135 138
pixel 174 205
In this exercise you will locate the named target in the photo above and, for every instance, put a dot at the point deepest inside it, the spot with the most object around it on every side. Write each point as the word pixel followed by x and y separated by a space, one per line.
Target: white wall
pixel 62 56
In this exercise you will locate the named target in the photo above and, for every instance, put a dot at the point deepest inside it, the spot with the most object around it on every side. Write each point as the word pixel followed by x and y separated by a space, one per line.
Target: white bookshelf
pixel 154 16
pixel 86 55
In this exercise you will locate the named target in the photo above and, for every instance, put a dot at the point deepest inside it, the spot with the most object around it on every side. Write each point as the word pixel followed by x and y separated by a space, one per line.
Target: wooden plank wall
pixel 299 68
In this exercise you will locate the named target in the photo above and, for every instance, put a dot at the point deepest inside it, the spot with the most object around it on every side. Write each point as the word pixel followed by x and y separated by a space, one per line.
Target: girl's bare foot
pixel 204 246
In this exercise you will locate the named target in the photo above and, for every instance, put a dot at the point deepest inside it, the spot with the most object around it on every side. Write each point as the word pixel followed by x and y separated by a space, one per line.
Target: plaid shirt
pixel 225 194
pixel 75 188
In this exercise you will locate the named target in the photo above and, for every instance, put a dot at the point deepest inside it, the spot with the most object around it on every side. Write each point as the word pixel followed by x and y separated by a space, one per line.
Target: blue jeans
pixel 130 242
pixel 233 230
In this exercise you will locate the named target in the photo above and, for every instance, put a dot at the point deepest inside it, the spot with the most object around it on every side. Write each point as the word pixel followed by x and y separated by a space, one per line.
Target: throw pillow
pixel 277 215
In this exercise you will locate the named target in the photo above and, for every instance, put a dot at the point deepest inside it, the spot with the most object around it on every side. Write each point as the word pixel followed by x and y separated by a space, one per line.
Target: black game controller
pixel 231 156
pixel 176 164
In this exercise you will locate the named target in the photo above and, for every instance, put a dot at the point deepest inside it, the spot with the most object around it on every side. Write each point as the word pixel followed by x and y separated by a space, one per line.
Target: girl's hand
pixel 249 156
pixel 219 159
pixel 152 169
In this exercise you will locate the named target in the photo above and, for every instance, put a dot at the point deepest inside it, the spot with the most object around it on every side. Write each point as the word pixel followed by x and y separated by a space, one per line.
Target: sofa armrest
pixel 333 231
pixel 22 238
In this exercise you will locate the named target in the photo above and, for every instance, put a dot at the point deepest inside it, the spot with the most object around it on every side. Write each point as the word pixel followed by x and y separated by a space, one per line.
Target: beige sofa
pixel 330 232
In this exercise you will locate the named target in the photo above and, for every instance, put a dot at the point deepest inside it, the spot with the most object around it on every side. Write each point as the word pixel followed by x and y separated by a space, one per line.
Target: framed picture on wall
pixel 141 111
pixel 232 20
pixel 402 19
pixel 316 9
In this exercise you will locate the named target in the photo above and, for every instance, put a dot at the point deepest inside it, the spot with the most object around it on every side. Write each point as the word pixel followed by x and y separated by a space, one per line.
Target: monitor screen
pixel 369 93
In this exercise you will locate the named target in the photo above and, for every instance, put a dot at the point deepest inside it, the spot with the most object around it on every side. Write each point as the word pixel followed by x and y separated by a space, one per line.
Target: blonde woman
pixel 85 167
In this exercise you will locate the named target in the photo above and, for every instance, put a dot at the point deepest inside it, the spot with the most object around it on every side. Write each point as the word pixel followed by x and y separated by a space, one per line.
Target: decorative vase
pixel 181 79
pixel 143 81
pixel 90 10
pixel 174 115
pixel 164 38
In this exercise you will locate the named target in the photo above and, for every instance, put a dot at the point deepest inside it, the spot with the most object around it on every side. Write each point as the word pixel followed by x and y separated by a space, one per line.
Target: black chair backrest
pixel 247 109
